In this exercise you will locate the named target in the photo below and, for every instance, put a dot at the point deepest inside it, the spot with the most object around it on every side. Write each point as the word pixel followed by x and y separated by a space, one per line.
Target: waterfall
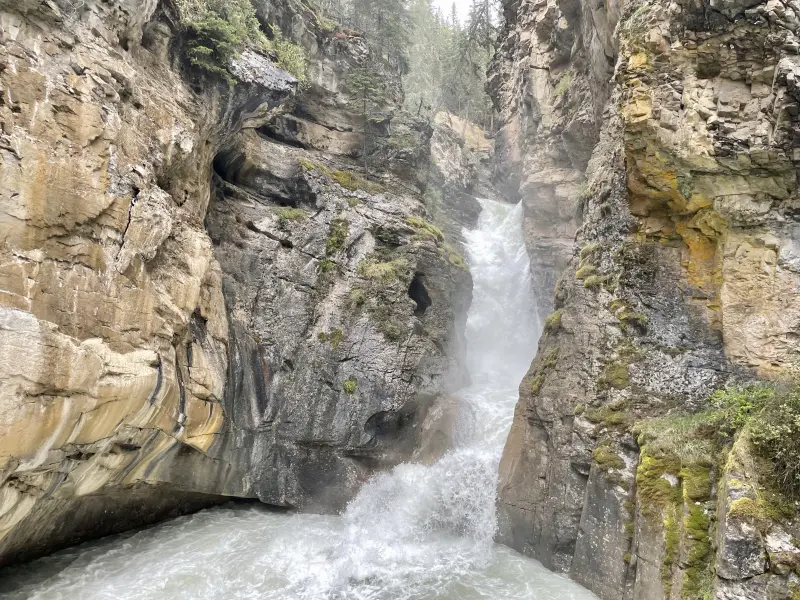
pixel 417 532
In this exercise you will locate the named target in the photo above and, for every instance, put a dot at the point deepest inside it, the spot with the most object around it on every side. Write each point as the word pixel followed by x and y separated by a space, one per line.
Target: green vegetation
pixel 326 266
pixel 607 459
pixel 614 375
pixel 288 56
pixel 425 229
pixel 584 271
pixel 697 570
pixel 334 336
pixel 219 30
pixel 448 60
pixel 367 97
pixel 454 257
pixel 544 363
pixel 594 282
pixel 562 86
pixel 353 201
pixel 553 322
pixel 689 449
pixel 653 487
pixel 383 272
pixel 357 297
pixel 613 416
pixel 588 250
pixel 350 386
pixel 337 236
pixel 347 179
pixel 285 215
pixel 638 320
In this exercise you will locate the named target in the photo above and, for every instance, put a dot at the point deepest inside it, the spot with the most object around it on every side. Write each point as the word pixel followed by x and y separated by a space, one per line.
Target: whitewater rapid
pixel 415 533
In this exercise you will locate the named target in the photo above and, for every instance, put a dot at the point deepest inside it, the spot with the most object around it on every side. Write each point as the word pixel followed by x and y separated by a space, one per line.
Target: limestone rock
pixel 171 336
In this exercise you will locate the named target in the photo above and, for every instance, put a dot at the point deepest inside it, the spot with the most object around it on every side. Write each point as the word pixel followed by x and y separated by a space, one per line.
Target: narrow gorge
pixel 402 306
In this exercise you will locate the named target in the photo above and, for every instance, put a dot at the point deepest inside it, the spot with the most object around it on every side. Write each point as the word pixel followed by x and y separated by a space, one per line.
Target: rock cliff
pixel 664 136
pixel 202 293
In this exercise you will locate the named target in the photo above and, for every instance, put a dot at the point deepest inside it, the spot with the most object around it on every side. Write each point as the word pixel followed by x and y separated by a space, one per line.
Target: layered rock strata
pixel 200 295
pixel 681 280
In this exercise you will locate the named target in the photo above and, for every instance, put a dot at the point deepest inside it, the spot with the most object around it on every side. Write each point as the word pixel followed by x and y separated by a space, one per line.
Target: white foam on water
pixel 415 533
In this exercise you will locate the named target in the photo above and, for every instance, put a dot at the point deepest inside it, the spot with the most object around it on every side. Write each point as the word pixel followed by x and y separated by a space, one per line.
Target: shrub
pixel 350 386
pixel 218 31
pixel 357 297
pixel 285 215
pixel 289 57
pixel 775 432
pixel 553 322
pixel 425 229
pixel 337 236
pixel 585 271
pixel 334 336
pixel 383 272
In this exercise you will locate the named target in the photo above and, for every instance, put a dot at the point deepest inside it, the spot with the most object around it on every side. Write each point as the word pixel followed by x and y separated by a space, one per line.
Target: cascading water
pixel 417 532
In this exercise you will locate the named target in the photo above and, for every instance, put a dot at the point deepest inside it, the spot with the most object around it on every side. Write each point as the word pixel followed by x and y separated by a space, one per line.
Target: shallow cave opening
pixel 418 293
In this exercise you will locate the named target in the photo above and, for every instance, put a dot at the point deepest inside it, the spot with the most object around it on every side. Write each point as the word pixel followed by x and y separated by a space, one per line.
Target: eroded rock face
pixel 550 82
pixel 158 355
pixel 677 284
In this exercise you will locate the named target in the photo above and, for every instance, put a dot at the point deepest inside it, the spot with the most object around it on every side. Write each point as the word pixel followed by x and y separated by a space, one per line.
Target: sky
pixel 462 6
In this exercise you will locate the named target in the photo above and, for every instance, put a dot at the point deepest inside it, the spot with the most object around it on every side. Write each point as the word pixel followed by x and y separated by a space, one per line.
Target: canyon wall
pixel 664 136
pixel 202 293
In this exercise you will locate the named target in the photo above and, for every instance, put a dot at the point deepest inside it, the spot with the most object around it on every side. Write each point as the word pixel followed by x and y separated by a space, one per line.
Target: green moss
pixel 383 272
pixel 697 577
pixel 353 201
pixel 353 181
pixel 350 386
pixel 616 304
pixel 553 322
pixel 357 297
pixel 551 358
pixel 426 230
pixel 594 281
pixel 337 236
pixel 636 319
pixel 672 540
pixel 452 256
pixel 615 375
pixel 585 271
pixel 562 87
pixel 536 384
pixel 696 482
pixel 286 215
pixel 347 179
pixel 334 336
pixel 613 416
pixel 606 459
pixel 579 409
pixel 655 492
pixel 306 164
pixel 589 249
pixel 690 438
pixel 627 558
pixel 326 266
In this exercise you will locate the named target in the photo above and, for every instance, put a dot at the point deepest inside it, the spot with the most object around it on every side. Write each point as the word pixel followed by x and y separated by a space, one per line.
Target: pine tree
pixel 367 97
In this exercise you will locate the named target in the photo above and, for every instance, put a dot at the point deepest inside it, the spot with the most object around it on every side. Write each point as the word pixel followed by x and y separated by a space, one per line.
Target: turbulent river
pixel 417 532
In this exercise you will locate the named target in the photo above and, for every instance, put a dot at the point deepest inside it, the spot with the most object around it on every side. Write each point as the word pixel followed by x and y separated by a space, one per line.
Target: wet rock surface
pixel 202 294
pixel 675 284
